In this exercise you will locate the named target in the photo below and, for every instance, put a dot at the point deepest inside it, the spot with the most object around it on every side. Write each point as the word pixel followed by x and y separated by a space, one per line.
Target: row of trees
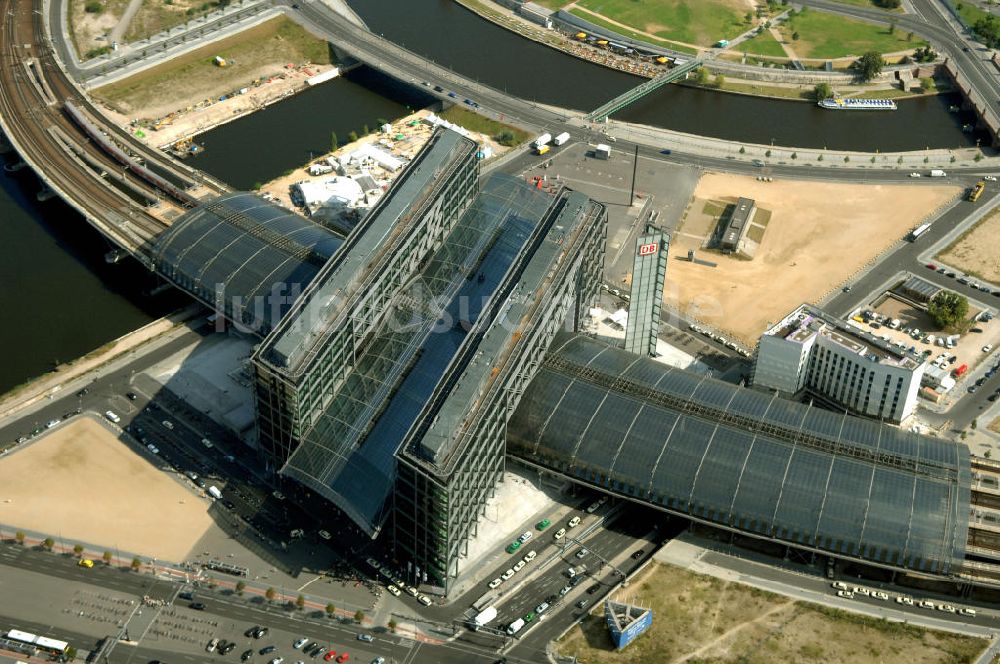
pixel 353 135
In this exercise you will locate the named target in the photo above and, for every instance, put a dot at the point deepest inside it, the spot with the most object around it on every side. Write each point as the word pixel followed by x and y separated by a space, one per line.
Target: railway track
pixel 33 91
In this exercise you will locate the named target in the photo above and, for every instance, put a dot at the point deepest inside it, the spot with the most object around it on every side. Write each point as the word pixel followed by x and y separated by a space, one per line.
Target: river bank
pixel 734 83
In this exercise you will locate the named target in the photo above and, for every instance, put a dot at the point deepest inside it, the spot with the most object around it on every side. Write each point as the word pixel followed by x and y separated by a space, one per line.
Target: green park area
pixel 699 618
pixel 763 44
pixel 502 133
pixel 697 22
pixel 823 35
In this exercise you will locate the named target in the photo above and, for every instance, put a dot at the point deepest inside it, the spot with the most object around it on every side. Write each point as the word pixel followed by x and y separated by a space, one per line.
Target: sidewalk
pixel 206 581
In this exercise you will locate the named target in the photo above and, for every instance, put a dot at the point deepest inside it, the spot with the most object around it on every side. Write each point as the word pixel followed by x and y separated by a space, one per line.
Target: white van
pixel 111 416
pixel 515 627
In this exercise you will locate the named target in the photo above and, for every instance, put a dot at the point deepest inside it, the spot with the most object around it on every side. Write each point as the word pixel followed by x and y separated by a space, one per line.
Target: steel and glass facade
pixel 454 456
pixel 649 270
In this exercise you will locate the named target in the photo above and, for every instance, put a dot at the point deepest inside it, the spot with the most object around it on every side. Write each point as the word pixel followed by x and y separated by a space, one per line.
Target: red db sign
pixel 648 249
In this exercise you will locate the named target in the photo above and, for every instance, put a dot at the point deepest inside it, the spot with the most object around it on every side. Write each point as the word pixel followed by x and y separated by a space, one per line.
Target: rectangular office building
pixel 811 353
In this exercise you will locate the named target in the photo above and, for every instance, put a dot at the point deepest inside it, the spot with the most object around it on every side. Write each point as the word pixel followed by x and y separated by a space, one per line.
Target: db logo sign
pixel 648 249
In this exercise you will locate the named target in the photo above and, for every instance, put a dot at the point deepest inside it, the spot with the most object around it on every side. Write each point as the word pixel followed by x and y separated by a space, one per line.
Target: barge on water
pixel 850 104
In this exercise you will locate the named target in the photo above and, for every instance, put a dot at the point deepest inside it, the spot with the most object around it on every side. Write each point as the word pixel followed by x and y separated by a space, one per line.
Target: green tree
pixel 240 587
pixel 909 36
pixel 270 594
pixel 743 150
pixel 70 653
pixel 352 136
pixel 795 155
pixel 795 36
pixel 93 7
pixel 48 543
pixel 767 153
pixel 77 549
pixel 392 625
pixel 869 65
pixel 948 309
pixel 330 610
pixel 136 564
pixel 300 601
pixel 19 536
pixel 988 454
pixel 926 84
pixel 506 138
pixel 748 18
pixel 701 76
pixel 365 130
pixel 892 28
pixel 359 616
pixel 334 144
pixel 973 425
pixel 720 80
pixel 822 91
pixel 380 122
pixel 107 556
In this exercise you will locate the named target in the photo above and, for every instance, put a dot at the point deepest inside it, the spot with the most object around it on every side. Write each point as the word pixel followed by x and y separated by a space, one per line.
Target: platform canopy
pixel 745 459
pixel 247 257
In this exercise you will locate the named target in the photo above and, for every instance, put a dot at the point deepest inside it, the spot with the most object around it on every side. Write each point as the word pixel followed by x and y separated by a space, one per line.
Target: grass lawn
pixel 632 33
pixel 823 35
pixel 700 22
pixel 552 4
pixel 191 77
pixel 970 13
pixel 475 122
pixel 763 44
pixel 703 619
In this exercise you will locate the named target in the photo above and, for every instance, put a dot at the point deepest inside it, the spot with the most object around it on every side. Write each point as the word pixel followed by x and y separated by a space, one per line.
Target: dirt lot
pixel 88 29
pixel 154 16
pixel 256 54
pixel 703 619
pixel 977 253
pixel 80 482
pixel 818 235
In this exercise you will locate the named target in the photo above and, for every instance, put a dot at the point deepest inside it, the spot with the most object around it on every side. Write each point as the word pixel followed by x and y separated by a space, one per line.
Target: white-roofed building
pixel 337 192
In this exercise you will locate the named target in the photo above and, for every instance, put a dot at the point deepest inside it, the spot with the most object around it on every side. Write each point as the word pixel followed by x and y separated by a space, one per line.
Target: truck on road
pixel 918 231
pixel 576 571
pixel 561 138
pixel 938 173
pixel 483 617
pixel 544 139
pixel 977 191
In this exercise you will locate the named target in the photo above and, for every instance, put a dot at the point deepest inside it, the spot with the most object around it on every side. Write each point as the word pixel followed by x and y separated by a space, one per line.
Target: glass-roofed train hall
pixel 400 367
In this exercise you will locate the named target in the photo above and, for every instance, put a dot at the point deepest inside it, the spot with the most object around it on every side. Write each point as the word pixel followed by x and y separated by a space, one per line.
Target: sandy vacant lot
pixel 978 251
pixel 700 618
pixel 819 234
pixel 81 483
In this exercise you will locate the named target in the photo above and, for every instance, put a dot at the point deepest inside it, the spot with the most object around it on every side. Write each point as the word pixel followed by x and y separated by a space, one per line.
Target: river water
pixel 543 74
pixel 62 300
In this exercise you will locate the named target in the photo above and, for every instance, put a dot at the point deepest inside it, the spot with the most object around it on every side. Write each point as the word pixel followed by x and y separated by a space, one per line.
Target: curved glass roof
pixel 746 459
pixel 245 256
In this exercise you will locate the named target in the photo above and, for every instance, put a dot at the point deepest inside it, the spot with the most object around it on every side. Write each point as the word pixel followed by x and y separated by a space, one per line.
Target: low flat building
pixel 919 289
pixel 735 227
pixel 813 354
